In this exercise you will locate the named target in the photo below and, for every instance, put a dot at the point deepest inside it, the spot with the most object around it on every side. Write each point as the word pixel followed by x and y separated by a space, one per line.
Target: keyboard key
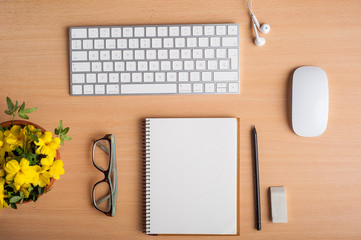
pixel 79 33
pixel 136 77
pixel 209 30
pixel 104 32
pixel 130 66
pixel 201 65
pixel 209 53
pixel 91 78
pixel 119 66
pixel 168 42
pixel 232 30
pixel 125 77
pixel 139 31
pixel 183 76
pixel 93 32
pixel 224 64
pixel 104 55
pixel 206 76
pixel 110 43
pixel 93 55
pixel 221 90
pixel 171 77
pixel 148 77
pixel 128 55
pixel 197 30
pixel 215 42
pixel 160 77
pixel 180 42
pixel 102 77
pixel 108 66
pixel 194 77
pixel 127 32
pixel 133 43
pixel 191 42
pixel 156 43
pixel 122 43
pixel 151 54
pixel 188 65
pixel 88 44
pixel 165 65
pixel 81 67
pixel 197 53
pixel 162 31
pixel 113 77
pixel 185 53
pixel 113 89
pixel 162 54
pixel 77 89
pixel 185 31
pixel 99 44
pixel 185 88
pixel 78 78
pixel 221 30
pixel 145 43
pixel 197 88
pixel 212 64
pixel 142 66
pixel 174 54
pixel 225 76
pixel 233 87
pixel 233 55
pixel 139 54
pixel 88 89
pixel 96 66
pixel 229 42
pixel 177 65
pixel 150 31
pixel 153 65
pixel 148 88
pixel 99 89
pixel 79 55
pixel 116 32
pixel 221 53
pixel 173 31
pixel 76 44
pixel 209 87
pixel 203 42
pixel 117 55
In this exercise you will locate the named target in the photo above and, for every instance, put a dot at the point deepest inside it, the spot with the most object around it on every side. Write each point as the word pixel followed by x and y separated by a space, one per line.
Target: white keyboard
pixel 160 59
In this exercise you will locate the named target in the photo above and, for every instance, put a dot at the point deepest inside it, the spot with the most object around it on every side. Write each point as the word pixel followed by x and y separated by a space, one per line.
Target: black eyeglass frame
pixel 112 169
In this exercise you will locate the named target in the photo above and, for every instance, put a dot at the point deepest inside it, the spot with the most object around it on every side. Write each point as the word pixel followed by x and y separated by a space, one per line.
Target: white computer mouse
pixel 309 101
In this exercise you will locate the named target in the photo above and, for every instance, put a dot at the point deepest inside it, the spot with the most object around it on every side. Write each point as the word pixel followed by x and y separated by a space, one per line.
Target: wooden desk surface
pixel 321 175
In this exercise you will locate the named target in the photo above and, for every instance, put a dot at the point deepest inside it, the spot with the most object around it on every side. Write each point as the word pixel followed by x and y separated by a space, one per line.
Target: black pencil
pixel 256 179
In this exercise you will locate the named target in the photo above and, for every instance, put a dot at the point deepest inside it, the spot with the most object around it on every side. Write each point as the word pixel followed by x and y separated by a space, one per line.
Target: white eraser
pixel 278 204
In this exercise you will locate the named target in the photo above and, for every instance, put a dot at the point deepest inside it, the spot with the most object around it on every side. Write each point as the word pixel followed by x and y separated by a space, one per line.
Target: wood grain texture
pixel 322 175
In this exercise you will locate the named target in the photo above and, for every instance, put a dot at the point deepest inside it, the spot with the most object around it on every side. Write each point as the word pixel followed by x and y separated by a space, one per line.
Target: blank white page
pixel 193 175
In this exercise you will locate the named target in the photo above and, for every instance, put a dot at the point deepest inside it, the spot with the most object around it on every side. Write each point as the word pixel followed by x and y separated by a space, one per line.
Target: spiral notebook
pixel 191 175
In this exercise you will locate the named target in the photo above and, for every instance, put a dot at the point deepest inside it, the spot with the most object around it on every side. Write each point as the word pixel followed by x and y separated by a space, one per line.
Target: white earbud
pixel 264 28
pixel 259 41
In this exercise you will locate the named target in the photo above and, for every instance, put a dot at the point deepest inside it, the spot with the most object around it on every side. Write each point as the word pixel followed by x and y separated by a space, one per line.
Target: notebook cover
pixel 191 175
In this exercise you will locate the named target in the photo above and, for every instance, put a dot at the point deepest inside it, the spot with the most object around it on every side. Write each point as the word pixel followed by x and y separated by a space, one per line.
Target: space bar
pixel 148 88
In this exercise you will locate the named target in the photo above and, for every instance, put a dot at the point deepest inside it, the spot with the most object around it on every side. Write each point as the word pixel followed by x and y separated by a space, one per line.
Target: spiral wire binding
pixel 146 175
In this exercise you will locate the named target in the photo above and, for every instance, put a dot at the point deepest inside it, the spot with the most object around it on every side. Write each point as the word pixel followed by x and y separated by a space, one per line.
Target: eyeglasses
pixel 105 191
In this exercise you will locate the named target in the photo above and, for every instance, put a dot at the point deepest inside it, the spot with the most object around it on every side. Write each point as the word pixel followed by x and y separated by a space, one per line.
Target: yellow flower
pixel 14 137
pixel 2 194
pixel 42 176
pixel 24 188
pixel 20 173
pixel 47 145
pixel 4 146
pixel 56 169
pixel 47 162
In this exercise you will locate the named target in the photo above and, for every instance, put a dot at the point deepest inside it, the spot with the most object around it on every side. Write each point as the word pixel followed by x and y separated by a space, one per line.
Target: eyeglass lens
pixel 102 154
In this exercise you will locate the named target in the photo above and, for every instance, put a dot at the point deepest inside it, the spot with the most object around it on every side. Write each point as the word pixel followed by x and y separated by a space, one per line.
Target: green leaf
pixel 67 138
pixel 1 128
pixel 8 112
pixel 60 127
pixel 30 189
pixel 21 202
pixel 15 199
pixel 13 205
pixel 22 194
pixel 40 190
pixel 10 104
pixel 16 106
pixel 65 131
pixel 22 107
pixel 19 150
pixel 29 110
pixel 56 131
pixel 23 116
